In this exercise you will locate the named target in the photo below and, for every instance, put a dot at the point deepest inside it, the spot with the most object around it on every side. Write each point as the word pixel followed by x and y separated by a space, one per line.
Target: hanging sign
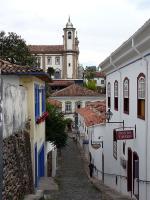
pixel 124 135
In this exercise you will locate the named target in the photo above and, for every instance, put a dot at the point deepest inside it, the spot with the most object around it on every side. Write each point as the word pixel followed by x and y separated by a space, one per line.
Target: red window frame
pixel 126 96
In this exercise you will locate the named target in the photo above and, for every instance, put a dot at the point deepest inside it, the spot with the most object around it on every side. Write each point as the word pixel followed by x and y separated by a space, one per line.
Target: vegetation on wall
pixel 55 126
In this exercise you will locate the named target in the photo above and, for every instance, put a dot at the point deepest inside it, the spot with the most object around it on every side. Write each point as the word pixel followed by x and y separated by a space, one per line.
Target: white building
pixel 127 161
pixel 63 58
pixel 74 97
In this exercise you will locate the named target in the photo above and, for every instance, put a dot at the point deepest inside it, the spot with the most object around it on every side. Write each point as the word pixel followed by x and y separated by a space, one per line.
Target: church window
pixel 126 95
pixel 141 96
pixel 57 60
pixel 49 60
pixel 57 74
pixel 69 35
pixel 38 60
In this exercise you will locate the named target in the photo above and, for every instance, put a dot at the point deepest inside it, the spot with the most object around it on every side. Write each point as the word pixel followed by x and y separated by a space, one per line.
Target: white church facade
pixel 63 58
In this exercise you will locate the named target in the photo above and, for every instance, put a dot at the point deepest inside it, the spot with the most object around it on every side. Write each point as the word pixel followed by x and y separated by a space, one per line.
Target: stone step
pixel 38 196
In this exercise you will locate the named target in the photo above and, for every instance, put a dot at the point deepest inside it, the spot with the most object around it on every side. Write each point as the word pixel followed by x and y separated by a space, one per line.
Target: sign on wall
pixel 124 135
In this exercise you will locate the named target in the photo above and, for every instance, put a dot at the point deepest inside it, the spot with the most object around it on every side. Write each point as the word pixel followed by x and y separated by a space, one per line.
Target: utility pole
pixel 1 133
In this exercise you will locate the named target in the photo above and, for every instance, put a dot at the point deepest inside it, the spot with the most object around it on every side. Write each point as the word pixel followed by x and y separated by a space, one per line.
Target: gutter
pixel 146 108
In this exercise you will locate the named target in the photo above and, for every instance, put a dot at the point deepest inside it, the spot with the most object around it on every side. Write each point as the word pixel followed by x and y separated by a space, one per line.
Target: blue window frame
pixel 43 99
pixel 37 101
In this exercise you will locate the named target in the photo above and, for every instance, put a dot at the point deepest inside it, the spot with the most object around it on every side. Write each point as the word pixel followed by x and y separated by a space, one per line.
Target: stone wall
pixel 17 166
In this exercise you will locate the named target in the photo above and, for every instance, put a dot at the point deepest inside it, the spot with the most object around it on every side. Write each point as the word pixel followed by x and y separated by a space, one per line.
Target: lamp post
pixel 109 115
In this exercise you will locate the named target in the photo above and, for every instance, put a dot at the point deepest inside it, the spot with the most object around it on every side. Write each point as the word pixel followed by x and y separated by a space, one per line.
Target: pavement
pixel 107 193
pixel 72 181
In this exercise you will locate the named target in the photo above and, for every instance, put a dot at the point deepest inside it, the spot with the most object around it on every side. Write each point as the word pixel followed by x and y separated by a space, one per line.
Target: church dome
pixel 69 24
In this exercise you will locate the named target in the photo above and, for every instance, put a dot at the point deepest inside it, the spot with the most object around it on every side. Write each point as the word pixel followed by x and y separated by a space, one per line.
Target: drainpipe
pixel 146 97
pixel 1 134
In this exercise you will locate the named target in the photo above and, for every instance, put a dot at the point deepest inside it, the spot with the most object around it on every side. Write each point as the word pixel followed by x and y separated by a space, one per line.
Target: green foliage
pixel 55 127
pixel 14 49
pixel 50 71
pixel 91 84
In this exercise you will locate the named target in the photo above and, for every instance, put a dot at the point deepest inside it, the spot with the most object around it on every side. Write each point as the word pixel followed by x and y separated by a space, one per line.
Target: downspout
pixel 119 102
pixel 146 97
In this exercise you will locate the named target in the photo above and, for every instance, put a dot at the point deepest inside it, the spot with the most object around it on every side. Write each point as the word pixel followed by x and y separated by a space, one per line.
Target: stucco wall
pixel 37 132
pixel 14 105
pixel 137 144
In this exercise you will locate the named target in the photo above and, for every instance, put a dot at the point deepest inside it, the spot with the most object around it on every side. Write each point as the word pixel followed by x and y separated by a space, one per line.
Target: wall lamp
pixel 109 115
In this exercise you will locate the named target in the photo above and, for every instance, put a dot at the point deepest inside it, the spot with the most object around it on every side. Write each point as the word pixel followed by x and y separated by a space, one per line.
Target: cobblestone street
pixel 71 177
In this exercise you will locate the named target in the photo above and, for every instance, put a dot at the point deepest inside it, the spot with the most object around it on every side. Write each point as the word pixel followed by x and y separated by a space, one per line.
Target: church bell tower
pixel 71 52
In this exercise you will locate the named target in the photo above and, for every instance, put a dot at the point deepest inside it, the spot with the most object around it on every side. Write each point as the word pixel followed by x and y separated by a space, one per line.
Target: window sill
pixel 125 112
pixel 141 117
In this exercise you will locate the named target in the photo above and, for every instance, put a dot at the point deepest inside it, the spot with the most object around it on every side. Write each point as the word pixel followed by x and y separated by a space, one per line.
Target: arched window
pixel 126 95
pixel 141 96
pixel 109 94
pixel 68 107
pixel 69 35
pixel 116 95
pixel 78 104
pixel 57 74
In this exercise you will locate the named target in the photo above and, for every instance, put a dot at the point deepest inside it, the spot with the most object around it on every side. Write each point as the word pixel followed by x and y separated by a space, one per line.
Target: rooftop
pixel 8 68
pixel 46 48
pixel 75 90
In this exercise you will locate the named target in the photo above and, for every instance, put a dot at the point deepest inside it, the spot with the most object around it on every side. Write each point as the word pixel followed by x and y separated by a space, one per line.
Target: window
pixel 49 60
pixel 38 60
pixel 126 95
pixel 102 82
pixel 69 35
pixel 141 96
pixel 37 101
pixel 69 64
pixel 57 60
pixel 116 95
pixel 57 74
pixel 68 108
pixel 109 94
pixel 78 104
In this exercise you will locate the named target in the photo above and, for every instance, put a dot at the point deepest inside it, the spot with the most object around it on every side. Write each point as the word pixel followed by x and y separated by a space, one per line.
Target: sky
pixel 102 25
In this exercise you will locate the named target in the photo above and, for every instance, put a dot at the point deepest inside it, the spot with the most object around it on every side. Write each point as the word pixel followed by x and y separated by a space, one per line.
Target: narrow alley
pixel 71 177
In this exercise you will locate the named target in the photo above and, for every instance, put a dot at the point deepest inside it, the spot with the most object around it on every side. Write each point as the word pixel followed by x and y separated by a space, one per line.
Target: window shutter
pixel 43 100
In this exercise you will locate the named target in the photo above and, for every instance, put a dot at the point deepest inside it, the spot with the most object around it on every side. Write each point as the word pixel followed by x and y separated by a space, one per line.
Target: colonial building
pixel 126 148
pixel 63 58
pixel 75 96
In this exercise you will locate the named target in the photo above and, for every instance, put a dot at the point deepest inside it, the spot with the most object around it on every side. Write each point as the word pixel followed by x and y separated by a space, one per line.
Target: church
pixel 63 58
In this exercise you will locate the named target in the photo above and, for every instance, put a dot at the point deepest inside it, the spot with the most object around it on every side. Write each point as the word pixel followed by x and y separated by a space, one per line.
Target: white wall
pixel 14 105
pixel 69 68
pixel 137 144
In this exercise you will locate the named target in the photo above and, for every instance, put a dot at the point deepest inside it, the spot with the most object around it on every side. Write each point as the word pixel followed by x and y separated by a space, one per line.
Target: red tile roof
pixel 75 90
pixel 61 83
pixel 93 113
pixel 90 117
pixel 99 75
pixel 55 103
pixel 9 69
pixel 46 48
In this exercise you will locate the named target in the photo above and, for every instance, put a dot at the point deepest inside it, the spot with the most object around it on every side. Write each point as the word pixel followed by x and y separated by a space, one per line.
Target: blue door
pixel 35 164
pixel 41 162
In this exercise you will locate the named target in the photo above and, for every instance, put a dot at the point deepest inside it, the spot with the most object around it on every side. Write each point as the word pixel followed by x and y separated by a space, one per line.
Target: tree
pixel 91 84
pixel 14 49
pixel 55 127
